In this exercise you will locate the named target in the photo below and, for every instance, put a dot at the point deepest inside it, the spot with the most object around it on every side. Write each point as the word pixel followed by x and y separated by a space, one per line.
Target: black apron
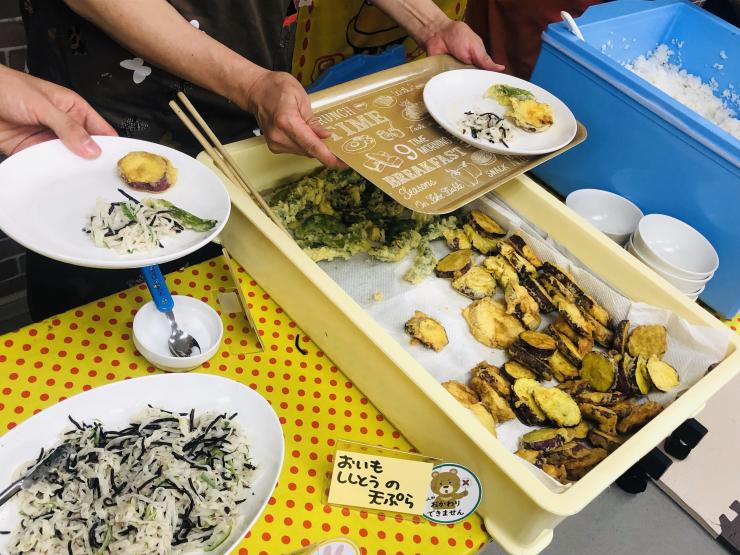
pixel 133 96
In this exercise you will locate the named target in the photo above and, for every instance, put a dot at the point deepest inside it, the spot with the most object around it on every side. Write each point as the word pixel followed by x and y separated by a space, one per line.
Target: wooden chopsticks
pixel 220 156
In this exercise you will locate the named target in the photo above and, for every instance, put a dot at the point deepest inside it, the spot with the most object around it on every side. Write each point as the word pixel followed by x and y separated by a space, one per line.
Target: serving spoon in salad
pixel 180 344
pixel 56 458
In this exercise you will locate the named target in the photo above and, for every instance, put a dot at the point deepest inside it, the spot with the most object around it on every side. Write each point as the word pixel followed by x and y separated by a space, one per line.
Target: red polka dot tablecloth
pixel 47 362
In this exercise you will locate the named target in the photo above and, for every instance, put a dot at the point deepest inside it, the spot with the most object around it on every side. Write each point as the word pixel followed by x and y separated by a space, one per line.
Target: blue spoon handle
pixel 158 288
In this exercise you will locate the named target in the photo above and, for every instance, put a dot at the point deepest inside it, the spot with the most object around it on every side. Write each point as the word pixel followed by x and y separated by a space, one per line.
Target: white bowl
pixel 615 216
pixel 676 247
pixel 687 286
pixel 151 332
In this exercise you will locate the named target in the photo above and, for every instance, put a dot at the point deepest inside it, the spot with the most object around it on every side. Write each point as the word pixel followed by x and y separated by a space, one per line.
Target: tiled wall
pixel 13 54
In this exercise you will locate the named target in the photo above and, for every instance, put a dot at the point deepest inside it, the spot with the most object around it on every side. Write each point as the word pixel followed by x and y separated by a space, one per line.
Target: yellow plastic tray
pixel 519 511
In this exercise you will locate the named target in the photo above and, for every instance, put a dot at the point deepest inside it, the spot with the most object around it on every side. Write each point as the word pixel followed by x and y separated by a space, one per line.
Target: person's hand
pixel 459 41
pixel 282 109
pixel 33 111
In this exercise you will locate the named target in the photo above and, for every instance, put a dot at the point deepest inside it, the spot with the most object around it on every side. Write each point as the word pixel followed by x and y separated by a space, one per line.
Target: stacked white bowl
pixel 614 215
pixel 676 251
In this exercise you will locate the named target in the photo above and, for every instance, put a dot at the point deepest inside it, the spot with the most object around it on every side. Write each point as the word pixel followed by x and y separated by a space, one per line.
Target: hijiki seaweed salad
pixel 167 483
pixel 130 226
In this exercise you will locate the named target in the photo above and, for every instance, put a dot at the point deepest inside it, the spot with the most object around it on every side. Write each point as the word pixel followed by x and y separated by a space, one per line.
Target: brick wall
pixel 13 54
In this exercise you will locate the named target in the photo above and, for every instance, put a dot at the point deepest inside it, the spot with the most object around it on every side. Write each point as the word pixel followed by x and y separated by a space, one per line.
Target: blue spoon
pixel 180 343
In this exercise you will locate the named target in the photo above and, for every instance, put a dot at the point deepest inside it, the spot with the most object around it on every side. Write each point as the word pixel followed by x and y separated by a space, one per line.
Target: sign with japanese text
pixel 383 483
pixel 389 138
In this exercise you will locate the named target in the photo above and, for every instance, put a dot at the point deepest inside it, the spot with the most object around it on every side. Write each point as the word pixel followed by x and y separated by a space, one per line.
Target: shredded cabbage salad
pixel 168 483
pixel 130 226
pixel 486 126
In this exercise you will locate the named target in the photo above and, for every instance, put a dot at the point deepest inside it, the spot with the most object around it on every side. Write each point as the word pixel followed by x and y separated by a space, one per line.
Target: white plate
pixel 449 95
pixel 47 195
pixel 115 404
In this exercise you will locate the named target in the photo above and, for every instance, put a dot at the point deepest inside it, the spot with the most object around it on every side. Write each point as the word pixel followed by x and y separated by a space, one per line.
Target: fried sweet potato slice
pixel 543 439
pixel 538 365
pixel 604 399
pixel 580 297
pixel 427 331
pixel 573 387
pixel 537 343
pixel 491 375
pixel 601 334
pixel 556 471
pixel 454 264
pixel 456 239
pixel 521 264
pixel 570 451
pixel 485 225
pixel 521 304
pixel 514 370
pixel 526 408
pixel 495 403
pixel 501 270
pixel 638 417
pixel 538 293
pixel 662 375
pixel 573 316
pixel 490 325
pixel 480 411
pixel 461 392
pixel 578 468
pixel 608 442
pixel 643 382
pixel 476 283
pixel 521 246
pixel 604 418
pixel 484 245
pixel 558 406
pixel 648 341
pixel 536 458
pixel 580 431
pixel 561 367
pixel 599 370
pixel 621 335
pixel 623 408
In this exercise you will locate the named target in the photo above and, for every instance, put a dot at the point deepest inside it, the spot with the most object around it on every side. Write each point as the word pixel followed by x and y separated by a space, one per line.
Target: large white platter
pixel 115 404
pixel 47 195
pixel 449 95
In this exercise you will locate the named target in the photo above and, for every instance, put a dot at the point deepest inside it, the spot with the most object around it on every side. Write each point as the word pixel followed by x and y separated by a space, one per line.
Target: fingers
pixel 481 59
pixel 96 125
pixel 72 134
pixel 316 127
pixel 307 139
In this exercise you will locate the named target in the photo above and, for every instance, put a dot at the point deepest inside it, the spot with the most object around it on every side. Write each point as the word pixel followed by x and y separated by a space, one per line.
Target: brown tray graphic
pixel 381 129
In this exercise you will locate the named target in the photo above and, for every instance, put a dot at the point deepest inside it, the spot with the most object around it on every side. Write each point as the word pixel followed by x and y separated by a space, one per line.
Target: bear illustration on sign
pixel 446 486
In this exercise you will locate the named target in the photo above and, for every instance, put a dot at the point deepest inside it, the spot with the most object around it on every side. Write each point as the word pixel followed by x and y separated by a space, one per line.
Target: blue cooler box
pixel 641 143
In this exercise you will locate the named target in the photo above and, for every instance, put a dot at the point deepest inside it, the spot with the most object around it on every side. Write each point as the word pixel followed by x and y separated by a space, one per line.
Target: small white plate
pixel 115 404
pixel 47 195
pixel 449 95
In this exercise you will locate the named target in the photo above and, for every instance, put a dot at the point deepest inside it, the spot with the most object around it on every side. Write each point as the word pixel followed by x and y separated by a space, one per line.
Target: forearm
pixel 155 31
pixel 421 18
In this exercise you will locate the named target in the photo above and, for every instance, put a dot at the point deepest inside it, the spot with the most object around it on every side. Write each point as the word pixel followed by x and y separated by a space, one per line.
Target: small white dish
pixel 612 214
pixel 115 404
pixel 675 246
pixel 449 95
pixel 684 285
pixel 151 331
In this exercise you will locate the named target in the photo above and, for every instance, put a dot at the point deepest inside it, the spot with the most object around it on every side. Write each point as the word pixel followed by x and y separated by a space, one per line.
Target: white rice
pixel 486 126
pixel 169 483
pixel 686 88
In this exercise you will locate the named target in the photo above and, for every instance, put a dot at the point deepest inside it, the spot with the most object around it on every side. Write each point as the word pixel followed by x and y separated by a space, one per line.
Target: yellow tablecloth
pixel 44 363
